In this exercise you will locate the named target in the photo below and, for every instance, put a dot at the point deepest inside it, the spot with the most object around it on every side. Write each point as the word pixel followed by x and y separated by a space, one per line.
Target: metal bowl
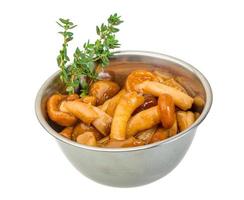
pixel 135 166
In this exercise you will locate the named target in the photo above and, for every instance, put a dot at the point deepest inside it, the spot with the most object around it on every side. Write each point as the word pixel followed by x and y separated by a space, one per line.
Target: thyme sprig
pixel 63 58
pixel 86 60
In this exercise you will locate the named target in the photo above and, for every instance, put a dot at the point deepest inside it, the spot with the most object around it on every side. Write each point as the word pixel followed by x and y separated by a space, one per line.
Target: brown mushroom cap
pixel 103 90
pixel 54 113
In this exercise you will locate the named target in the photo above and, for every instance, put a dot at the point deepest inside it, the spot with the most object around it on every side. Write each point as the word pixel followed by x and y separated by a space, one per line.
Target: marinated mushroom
pixel 143 120
pixel 87 138
pixel 148 118
pixel 126 106
pixel 56 115
pixel 103 90
pixel 82 111
pixel 185 119
pixel 166 110
pixel 182 100
pixel 81 128
pixel 90 115
pixel 198 104
pixel 137 77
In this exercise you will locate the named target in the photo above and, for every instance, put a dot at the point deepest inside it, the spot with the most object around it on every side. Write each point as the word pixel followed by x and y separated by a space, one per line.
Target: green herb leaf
pixel 98 30
pixel 87 60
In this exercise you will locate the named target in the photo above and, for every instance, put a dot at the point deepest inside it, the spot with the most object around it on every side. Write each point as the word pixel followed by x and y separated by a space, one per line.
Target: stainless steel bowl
pixel 128 167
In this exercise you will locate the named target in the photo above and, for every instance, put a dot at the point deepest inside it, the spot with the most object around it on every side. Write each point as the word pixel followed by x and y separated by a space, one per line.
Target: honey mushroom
pixel 126 106
pixel 198 103
pixel 82 111
pixel 182 100
pixel 138 76
pixel 185 119
pixel 167 110
pixel 103 90
pixel 87 138
pixel 164 112
pixel 56 115
pixel 81 128
pixel 143 120
pixel 90 115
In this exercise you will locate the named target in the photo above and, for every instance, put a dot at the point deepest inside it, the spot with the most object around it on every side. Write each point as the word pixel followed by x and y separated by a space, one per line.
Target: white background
pixel 208 34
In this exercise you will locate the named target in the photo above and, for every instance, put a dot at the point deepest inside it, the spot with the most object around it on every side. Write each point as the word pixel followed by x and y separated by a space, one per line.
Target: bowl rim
pixel 200 76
